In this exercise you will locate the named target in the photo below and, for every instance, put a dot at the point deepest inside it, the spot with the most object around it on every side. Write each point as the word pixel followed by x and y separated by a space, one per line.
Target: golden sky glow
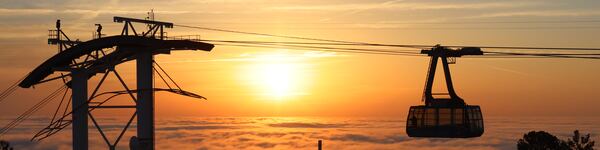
pixel 242 81
pixel 277 97
pixel 275 76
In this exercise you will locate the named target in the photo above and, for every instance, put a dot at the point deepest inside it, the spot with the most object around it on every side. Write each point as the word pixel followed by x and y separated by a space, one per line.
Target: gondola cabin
pixel 447 122
pixel 444 117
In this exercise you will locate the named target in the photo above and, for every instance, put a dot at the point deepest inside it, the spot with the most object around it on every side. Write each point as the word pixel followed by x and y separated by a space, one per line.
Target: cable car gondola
pixel 444 117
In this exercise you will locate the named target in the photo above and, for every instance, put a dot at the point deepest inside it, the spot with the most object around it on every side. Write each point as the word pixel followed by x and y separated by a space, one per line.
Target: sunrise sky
pixel 242 81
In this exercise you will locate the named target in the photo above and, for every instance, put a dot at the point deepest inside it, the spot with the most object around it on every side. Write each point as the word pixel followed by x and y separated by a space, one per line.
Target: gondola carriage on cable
pixel 448 117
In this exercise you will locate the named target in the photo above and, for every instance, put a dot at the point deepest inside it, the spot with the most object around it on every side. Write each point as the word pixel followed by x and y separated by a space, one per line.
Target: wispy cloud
pixel 384 4
pixel 93 12
pixel 507 70
pixel 370 139
pixel 195 127
pixel 307 125
pixel 30 11
pixel 393 5
pixel 546 13
pixel 265 57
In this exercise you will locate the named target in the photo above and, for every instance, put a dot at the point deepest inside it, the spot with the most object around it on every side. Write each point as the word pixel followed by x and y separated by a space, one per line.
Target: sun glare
pixel 278 79
pixel 276 76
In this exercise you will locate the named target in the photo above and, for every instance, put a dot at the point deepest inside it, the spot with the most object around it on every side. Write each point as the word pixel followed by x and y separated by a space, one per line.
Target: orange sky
pixel 286 82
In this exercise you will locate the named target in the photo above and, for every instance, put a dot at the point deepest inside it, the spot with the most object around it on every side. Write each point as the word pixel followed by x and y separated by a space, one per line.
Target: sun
pixel 275 76
pixel 278 80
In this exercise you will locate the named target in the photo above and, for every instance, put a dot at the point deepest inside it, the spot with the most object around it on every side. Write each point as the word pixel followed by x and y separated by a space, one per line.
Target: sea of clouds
pixel 302 133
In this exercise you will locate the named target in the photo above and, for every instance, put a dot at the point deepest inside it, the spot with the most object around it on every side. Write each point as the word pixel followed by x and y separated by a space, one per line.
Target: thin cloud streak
pixel 386 3
pixel 551 13
pixel 95 12
pixel 30 11
pixel 508 70
pixel 264 57
pixel 404 6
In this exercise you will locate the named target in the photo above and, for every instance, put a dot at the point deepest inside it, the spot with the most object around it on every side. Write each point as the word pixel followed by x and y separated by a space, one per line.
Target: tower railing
pixel 184 37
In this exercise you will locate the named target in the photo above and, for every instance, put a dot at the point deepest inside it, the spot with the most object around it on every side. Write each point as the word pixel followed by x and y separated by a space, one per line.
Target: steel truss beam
pixel 86 59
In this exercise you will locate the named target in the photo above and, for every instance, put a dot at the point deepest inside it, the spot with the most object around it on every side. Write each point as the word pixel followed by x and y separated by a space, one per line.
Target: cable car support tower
pixel 77 62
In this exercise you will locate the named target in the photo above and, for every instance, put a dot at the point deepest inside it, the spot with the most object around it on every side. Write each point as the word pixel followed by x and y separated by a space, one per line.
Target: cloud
pixel 365 138
pixel 307 125
pixel 549 13
pixel 194 127
pixel 509 70
pixel 266 145
pixel 393 5
pixel 303 133
pixel 384 4
pixel 284 55
pixel 29 11
pixel 92 13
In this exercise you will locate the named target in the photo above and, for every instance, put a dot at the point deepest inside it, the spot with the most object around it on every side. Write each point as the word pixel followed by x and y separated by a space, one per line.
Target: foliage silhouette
pixel 578 142
pixel 541 140
pixel 4 145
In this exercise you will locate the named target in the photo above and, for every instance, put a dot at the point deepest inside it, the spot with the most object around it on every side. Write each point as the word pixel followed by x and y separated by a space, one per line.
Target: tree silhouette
pixel 541 140
pixel 578 142
pixel 4 145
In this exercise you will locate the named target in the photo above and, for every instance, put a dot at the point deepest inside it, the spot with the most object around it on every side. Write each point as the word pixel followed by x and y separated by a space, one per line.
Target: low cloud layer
pixel 303 133
pixel 307 125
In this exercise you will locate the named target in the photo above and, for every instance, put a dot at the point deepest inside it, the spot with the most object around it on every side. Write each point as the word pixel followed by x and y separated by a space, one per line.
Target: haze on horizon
pixel 285 82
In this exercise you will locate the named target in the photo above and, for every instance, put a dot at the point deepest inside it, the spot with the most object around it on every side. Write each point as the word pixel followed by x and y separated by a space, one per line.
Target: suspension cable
pixel 370 51
pixel 166 74
pixel 31 110
pixel 11 89
pixel 395 45
pixel 324 50
pixel 335 48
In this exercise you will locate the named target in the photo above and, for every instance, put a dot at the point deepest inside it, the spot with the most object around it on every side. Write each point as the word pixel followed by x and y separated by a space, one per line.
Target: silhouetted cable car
pixel 444 117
